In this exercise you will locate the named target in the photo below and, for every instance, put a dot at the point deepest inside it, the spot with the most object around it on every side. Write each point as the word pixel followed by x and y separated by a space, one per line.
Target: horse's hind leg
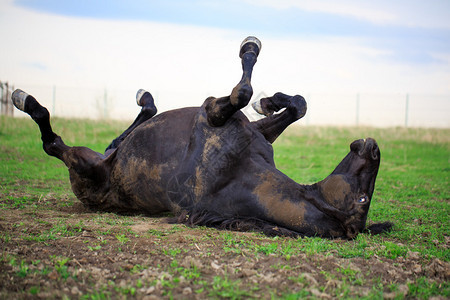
pixel 219 110
pixel 52 143
pixel 144 99
pixel 273 125
pixel 81 160
pixel 89 170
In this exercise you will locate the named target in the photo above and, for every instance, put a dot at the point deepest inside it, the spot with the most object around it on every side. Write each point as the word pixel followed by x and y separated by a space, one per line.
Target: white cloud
pixel 410 13
pixel 88 52
pixel 182 65
pixel 344 8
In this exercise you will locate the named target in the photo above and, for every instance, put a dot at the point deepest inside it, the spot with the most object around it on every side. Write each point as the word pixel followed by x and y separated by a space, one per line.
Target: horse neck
pixel 294 205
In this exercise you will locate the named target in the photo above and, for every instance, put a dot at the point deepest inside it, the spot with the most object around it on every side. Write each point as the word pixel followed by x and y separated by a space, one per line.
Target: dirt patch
pixel 56 249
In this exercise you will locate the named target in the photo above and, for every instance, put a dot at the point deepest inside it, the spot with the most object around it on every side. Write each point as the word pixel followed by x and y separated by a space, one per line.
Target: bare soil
pixel 60 249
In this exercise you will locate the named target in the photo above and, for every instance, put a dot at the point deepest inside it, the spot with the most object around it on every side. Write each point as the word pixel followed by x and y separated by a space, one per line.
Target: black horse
pixel 211 166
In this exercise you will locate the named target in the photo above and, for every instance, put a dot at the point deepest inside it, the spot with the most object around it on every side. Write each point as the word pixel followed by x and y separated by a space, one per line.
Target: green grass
pixel 412 188
pixel 412 191
pixel 26 167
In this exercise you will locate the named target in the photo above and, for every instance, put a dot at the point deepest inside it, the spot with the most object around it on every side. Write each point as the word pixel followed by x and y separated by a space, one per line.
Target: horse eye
pixel 362 199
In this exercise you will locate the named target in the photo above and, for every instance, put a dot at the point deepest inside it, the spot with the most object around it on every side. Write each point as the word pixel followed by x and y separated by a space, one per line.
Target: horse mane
pixel 215 220
pixel 210 219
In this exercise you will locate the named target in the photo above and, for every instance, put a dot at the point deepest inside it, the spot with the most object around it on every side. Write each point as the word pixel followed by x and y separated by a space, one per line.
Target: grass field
pixel 52 247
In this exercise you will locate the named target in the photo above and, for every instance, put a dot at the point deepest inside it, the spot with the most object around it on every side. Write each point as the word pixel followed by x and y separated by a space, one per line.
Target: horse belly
pixel 147 158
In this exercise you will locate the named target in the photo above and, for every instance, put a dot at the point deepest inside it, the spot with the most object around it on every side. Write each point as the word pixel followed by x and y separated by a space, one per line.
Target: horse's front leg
pixel 219 110
pixel 146 101
pixel 274 124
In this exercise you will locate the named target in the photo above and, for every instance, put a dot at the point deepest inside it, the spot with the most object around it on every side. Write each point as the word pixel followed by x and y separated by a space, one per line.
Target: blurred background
pixel 365 63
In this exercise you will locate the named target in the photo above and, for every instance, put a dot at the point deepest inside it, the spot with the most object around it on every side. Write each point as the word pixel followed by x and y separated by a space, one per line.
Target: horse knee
pixel 217 110
pixel 56 147
pixel 297 106
pixel 241 95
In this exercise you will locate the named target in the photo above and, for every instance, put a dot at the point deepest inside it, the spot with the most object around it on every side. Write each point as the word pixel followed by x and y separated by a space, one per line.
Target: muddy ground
pixel 56 248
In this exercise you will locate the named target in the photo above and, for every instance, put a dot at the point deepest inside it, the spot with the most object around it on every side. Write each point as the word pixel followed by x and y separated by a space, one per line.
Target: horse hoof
pixel 250 44
pixel 139 95
pixel 140 99
pixel 18 98
pixel 259 109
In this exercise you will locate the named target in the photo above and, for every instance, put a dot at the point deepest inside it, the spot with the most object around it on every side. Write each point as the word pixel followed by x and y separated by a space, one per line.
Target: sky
pixel 183 51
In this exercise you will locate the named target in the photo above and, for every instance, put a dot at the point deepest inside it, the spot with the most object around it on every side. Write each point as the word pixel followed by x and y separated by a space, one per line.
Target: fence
pixel 7 108
pixel 352 109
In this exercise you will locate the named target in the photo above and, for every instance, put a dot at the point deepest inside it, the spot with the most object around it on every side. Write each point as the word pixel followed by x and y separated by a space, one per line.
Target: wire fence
pixel 341 109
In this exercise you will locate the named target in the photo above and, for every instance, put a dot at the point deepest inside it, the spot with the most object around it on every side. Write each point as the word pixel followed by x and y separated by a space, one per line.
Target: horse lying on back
pixel 211 166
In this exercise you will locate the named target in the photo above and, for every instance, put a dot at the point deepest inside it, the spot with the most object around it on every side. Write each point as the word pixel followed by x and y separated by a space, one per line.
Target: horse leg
pixel 78 158
pixel 219 110
pixel 145 100
pixel 88 174
pixel 52 143
pixel 273 125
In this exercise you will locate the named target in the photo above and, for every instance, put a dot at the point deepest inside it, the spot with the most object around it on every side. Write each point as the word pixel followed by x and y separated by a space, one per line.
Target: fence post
pixel 54 100
pixel 357 109
pixel 406 109
pixel 308 115
pixel 4 98
pixel 10 103
pixel 6 103
pixel 105 104
pixel 1 97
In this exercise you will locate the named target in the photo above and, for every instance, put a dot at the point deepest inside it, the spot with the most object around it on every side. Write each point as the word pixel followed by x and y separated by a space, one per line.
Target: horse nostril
pixel 375 152
pixel 372 149
pixel 357 146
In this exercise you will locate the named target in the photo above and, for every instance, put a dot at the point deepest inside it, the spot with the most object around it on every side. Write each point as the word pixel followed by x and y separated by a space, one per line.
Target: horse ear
pixel 378 228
